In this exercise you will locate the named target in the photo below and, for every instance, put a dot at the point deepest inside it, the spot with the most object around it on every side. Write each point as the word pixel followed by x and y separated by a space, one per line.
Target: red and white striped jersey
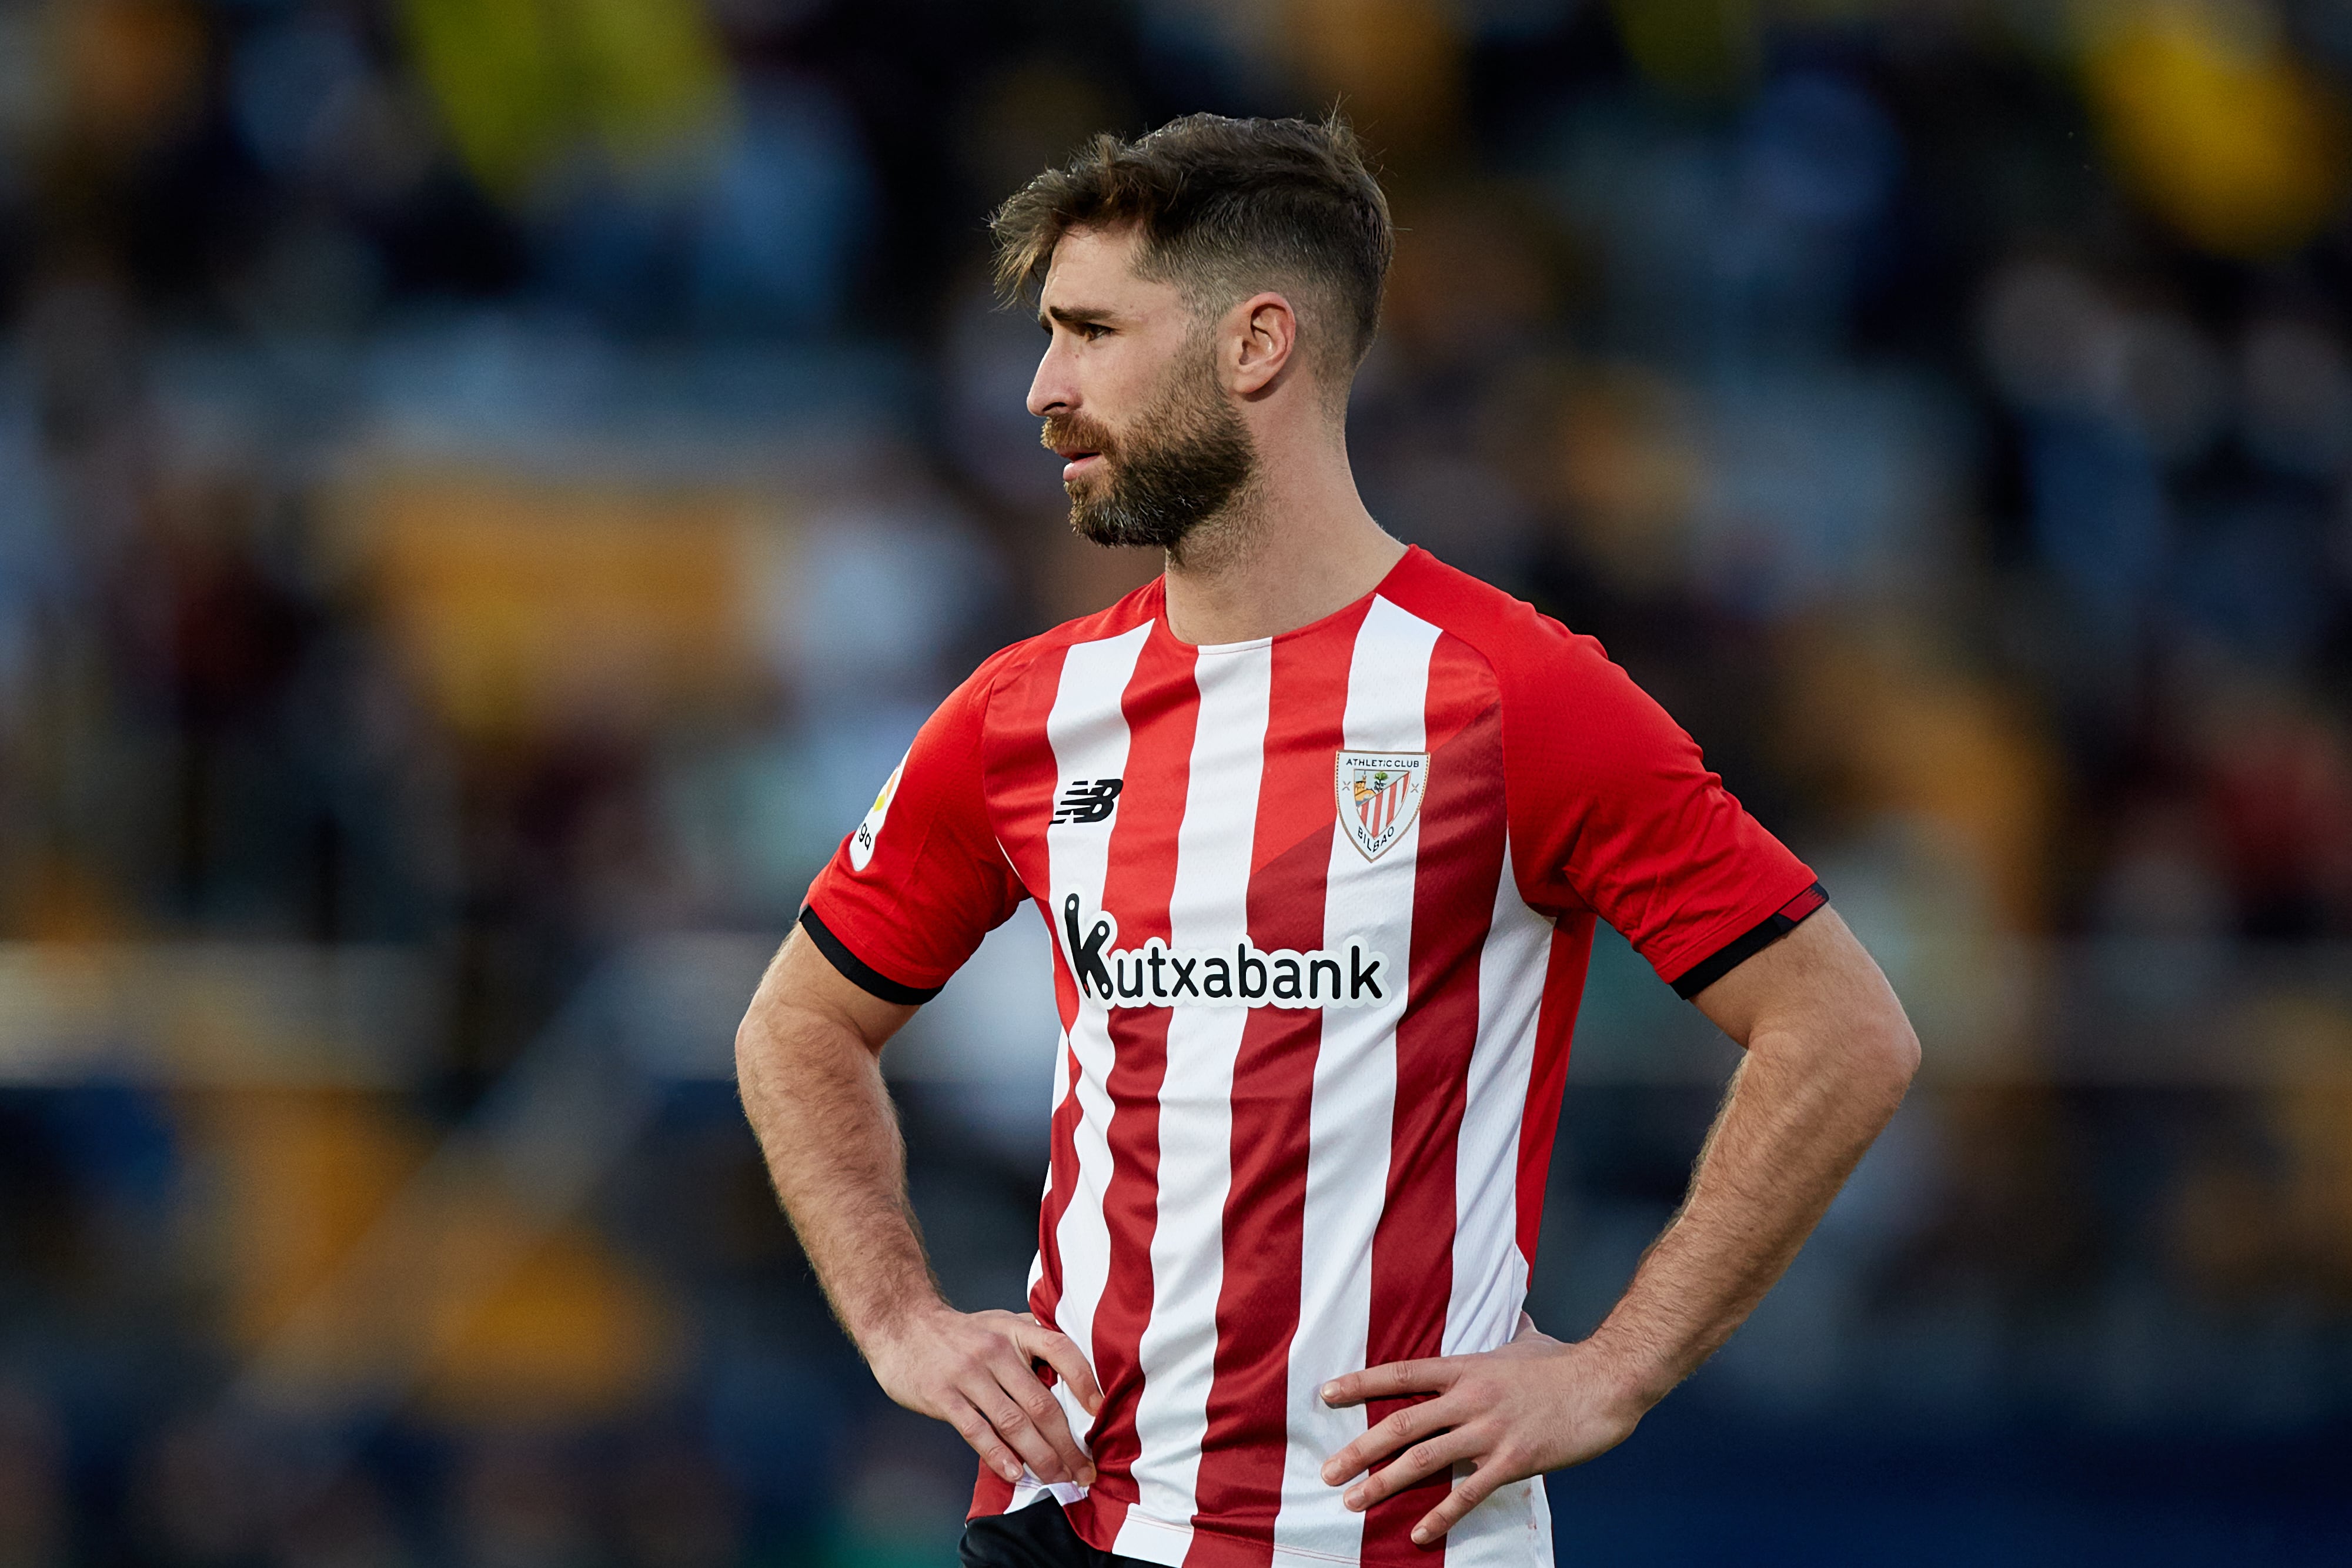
pixel 1321 904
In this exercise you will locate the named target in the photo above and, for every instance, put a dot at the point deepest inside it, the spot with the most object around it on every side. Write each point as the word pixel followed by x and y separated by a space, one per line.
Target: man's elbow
pixel 755 1055
pixel 1888 1055
pixel 785 1036
pixel 748 1039
pixel 773 1035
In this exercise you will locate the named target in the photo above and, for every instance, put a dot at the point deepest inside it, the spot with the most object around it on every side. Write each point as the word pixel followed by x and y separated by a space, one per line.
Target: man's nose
pixel 1051 390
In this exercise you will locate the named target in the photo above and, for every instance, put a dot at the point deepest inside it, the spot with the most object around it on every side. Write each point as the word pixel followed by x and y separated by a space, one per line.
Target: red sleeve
pixel 911 892
pixel 1612 810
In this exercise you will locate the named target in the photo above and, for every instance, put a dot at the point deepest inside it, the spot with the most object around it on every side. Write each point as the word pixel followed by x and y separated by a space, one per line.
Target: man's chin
pixel 1111 533
pixel 1094 532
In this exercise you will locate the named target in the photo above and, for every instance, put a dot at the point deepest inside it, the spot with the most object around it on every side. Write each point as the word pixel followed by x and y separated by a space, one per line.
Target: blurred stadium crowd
pixel 488 487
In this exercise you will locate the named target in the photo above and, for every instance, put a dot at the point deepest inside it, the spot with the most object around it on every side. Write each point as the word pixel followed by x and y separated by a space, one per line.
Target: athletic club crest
pixel 1380 795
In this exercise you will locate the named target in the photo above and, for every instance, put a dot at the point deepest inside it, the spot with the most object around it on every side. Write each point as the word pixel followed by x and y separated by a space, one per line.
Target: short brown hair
pixel 1224 206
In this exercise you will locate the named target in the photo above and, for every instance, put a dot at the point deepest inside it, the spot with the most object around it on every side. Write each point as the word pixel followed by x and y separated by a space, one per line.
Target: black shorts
pixel 1034 1537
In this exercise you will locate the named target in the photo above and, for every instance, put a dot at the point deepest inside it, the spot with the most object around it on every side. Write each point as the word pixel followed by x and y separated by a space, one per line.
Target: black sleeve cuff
pixel 857 970
pixel 1739 949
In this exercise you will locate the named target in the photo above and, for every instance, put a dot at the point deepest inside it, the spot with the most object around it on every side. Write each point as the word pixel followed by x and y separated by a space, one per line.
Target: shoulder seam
pixel 1013 659
pixel 980 751
pixel 1477 629
pixel 1502 730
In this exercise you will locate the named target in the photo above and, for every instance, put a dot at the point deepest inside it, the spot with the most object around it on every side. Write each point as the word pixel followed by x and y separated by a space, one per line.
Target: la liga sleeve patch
pixel 861 842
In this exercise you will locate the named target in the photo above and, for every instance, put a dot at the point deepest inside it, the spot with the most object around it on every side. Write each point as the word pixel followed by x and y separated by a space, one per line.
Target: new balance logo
pixel 1242 976
pixel 1088 799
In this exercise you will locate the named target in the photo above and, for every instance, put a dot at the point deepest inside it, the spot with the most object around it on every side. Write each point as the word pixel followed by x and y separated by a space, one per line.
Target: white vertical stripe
pixel 1061 1089
pixel 1352 1123
pixel 1088 729
pixel 1208 904
pixel 1512 1529
pixel 1490 1275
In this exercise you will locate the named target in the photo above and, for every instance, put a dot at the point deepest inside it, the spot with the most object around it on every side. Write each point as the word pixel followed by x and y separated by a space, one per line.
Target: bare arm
pixel 807 1059
pixel 1829 1057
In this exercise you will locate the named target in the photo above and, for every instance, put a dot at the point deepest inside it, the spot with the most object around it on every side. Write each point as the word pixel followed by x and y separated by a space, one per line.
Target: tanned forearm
pixel 1799 1113
pixel 807 1058
pixel 815 1095
pixel 1829 1055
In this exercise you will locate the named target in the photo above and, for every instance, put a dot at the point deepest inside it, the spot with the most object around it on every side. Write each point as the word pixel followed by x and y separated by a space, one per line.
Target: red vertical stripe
pixel 1458 866
pixel 1023 780
pixel 1571 948
pixel 1018 774
pixel 992 1494
pixel 1240 1487
pixel 1163 708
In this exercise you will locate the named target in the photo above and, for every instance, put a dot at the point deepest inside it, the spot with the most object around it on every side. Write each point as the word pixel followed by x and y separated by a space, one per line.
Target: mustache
pixel 1067 432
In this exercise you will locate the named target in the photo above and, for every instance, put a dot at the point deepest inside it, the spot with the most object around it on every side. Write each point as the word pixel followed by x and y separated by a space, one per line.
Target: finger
pixel 974 1428
pixel 1468 1494
pixel 1043 1414
pixel 1416 1464
pixel 1391 1380
pixel 1409 1424
pixel 1015 1428
pixel 1060 1352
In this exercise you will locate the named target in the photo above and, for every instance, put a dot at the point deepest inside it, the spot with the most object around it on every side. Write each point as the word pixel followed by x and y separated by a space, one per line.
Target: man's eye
pixel 1092 330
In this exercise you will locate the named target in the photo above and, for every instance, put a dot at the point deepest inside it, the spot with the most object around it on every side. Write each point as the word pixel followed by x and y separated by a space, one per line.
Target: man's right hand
pixel 972 1370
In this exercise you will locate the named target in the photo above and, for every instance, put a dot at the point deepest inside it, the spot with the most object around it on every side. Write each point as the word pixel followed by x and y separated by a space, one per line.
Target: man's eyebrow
pixel 1082 316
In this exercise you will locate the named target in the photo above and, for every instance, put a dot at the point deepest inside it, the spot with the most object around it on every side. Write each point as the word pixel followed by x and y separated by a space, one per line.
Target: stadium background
pixel 489 487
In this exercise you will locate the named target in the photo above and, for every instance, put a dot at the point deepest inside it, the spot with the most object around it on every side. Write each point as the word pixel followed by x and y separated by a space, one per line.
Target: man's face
pixel 1129 395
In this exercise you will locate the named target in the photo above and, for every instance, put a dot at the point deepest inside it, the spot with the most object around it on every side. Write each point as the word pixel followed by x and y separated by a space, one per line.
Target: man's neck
pixel 1295 546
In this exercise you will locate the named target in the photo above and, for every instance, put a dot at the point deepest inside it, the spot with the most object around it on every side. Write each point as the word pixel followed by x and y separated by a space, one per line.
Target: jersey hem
pixel 1147 1540
pixel 1144 1539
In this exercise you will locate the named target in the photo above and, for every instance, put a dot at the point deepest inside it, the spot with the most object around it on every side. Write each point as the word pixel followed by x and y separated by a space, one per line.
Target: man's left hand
pixel 1531 1406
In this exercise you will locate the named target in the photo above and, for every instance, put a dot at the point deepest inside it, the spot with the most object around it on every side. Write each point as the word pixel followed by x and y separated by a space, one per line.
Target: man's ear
pixel 1262 340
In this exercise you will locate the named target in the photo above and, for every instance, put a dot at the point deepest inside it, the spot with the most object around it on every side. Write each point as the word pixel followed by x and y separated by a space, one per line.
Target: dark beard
pixel 1161 486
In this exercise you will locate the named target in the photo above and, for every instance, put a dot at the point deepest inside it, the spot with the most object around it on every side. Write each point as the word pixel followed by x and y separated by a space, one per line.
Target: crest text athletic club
pixel 1321 904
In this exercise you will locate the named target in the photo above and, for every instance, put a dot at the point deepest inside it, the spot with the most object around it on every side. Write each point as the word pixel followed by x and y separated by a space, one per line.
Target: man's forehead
pixel 1098 263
